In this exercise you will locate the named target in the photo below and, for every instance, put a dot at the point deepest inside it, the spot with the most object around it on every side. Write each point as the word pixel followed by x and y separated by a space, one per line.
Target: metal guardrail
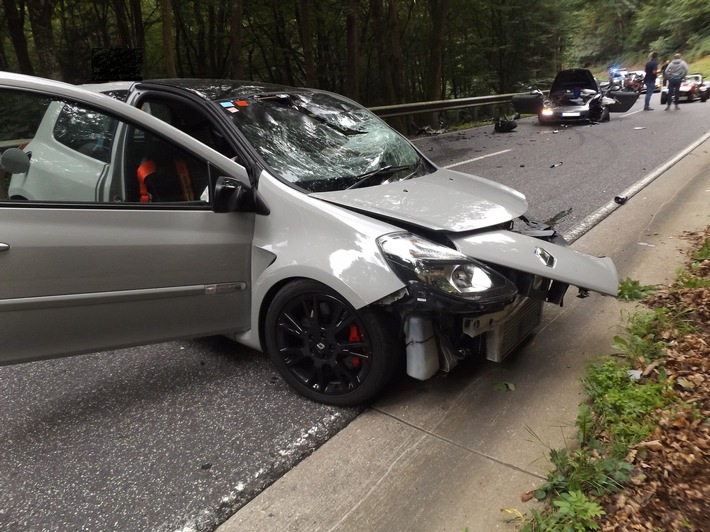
pixel 386 111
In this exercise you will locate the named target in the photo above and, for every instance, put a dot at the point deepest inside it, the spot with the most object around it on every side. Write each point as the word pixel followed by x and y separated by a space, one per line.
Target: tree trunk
pixel 383 54
pixel 282 41
pixel 235 40
pixel 199 40
pixel 396 54
pixel 432 90
pixel 309 63
pixel 45 47
pixel 15 23
pixel 124 35
pixel 138 30
pixel 166 9
pixel 352 22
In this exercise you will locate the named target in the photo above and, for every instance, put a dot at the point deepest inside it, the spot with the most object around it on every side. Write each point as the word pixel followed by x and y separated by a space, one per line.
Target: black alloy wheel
pixel 327 350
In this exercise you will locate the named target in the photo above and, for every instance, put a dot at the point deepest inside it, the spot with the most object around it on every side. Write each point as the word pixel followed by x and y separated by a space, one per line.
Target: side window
pixel 85 131
pixel 19 119
pixel 158 171
pixel 78 154
pixel 191 120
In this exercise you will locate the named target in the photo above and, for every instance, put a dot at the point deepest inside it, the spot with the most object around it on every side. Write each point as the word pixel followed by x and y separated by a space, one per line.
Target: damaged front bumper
pixel 519 272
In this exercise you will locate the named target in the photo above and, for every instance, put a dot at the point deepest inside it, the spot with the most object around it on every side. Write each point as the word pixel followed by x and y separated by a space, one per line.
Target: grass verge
pixel 644 431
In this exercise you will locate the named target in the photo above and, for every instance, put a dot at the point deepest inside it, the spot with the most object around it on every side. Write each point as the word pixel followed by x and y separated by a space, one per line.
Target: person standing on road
pixel 675 72
pixel 650 80
pixel 663 71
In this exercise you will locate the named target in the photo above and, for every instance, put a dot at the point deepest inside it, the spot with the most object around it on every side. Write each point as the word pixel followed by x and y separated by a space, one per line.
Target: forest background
pixel 378 52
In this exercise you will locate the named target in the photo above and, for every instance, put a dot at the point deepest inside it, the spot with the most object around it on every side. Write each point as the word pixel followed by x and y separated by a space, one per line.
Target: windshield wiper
pixel 385 170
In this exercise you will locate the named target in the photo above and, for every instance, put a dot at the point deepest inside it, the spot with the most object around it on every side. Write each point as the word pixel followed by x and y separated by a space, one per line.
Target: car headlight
pixel 447 271
pixel 546 111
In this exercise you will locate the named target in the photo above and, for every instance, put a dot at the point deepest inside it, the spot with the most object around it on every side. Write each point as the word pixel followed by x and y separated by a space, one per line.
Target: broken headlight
pixel 417 260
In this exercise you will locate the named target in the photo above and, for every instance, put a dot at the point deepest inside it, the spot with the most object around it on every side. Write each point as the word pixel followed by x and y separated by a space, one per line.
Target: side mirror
pixel 15 161
pixel 231 195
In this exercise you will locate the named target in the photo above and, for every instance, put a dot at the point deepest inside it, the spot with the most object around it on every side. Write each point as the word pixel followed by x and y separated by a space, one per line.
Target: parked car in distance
pixel 659 83
pixel 293 220
pixel 692 88
pixel 575 96
pixel 634 81
pixel 617 76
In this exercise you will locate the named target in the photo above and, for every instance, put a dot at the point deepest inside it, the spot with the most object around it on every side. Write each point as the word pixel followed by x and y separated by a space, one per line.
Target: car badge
pixel 546 258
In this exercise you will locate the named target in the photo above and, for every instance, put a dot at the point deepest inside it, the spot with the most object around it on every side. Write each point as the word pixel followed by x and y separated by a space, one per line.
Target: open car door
pixel 528 104
pixel 624 101
pixel 109 237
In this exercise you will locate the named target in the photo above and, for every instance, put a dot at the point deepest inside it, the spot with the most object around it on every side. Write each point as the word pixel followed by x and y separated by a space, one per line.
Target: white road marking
pixel 631 113
pixel 476 159
pixel 605 210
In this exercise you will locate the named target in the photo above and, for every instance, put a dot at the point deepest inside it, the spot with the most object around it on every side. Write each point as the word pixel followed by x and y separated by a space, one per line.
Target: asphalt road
pixel 178 436
pixel 592 163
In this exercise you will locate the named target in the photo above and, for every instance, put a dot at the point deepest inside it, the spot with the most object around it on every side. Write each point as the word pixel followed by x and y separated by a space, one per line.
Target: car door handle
pixel 4 247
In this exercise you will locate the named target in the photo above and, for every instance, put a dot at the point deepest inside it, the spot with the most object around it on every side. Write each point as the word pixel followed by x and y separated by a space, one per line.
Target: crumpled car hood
pixel 457 204
pixel 442 201
pixel 532 255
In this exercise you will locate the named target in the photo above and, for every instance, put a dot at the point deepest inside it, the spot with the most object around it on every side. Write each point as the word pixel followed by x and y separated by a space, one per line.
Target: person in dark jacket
pixel 650 80
pixel 664 65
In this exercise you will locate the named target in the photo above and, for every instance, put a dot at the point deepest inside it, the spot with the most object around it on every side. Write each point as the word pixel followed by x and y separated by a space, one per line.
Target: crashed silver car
pixel 575 96
pixel 293 220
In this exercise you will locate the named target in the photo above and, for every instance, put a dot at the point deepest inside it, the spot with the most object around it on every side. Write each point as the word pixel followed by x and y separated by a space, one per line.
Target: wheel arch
pixel 266 304
pixel 337 285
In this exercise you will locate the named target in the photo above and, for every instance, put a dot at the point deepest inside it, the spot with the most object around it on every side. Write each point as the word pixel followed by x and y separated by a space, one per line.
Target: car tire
pixel 606 115
pixel 704 96
pixel 326 349
pixel 664 98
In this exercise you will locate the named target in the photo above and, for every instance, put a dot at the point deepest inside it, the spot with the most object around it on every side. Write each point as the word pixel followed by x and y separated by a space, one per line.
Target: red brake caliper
pixel 355 336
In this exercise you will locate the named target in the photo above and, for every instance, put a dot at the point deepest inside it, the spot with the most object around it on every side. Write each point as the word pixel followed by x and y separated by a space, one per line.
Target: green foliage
pixel 626 32
pixel 625 406
pixel 574 513
pixel 632 290
pixel 573 509
pixel 588 468
pixel 585 424
pixel 636 345
pixel 647 332
pixel 703 253
pixel 585 469
pixel 688 280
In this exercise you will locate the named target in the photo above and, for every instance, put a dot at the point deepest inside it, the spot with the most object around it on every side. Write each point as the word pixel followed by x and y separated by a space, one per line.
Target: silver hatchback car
pixel 293 220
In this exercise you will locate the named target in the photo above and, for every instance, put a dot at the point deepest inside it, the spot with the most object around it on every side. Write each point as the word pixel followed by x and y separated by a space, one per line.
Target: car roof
pixel 207 89
pixel 221 89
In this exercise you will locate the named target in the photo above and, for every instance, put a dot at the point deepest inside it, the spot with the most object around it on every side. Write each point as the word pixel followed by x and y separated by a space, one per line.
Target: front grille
pixel 508 334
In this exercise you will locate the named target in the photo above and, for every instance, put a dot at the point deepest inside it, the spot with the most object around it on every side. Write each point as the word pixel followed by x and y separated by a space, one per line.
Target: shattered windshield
pixel 322 142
